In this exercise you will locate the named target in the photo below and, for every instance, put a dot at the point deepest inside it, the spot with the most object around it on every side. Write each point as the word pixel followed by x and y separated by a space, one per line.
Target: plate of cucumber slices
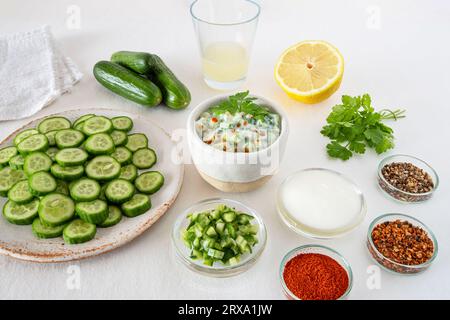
pixel 76 184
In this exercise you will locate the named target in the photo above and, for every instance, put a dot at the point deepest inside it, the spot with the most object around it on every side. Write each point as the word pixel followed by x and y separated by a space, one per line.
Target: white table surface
pixel 395 50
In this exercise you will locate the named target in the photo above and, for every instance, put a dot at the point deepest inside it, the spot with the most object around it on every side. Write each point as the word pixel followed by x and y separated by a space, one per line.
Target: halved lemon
pixel 310 71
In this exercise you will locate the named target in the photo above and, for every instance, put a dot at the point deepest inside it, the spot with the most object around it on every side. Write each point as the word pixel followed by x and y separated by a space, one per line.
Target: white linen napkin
pixel 33 73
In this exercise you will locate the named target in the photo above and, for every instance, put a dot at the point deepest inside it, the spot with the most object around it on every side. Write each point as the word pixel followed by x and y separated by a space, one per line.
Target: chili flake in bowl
pixel 407 178
pixel 401 243
pixel 315 272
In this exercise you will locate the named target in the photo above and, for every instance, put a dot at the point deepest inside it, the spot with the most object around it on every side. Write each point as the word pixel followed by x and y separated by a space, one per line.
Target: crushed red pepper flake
pixel 402 242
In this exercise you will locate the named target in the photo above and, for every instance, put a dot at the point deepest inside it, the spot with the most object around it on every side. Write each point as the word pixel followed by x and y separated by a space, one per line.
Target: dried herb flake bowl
pixel 401 195
pixel 389 264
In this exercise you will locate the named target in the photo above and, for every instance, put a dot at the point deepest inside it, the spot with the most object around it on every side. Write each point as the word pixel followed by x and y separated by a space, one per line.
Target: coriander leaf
pixel 337 114
pixel 366 101
pixel 374 134
pixel 386 144
pixel 335 150
pixel 239 96
pixel 352 102
pixel 371 118
pixel 385 128
pixel 358 147
pixel 328 131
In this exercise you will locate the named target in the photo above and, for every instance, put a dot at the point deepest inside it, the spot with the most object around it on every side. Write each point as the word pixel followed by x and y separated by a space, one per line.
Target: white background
pixel 402 60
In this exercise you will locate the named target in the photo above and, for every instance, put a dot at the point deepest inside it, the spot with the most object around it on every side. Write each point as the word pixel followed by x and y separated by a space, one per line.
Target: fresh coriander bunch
pixel 354 125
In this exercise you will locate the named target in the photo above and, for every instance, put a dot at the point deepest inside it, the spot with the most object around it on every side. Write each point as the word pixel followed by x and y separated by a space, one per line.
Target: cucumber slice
pixel 128 172
pixel 21 214
pixel 56 209
pixel 43 231
pixel 79 231
pixel 120 138
pixel 16 162
pixel 122 123
pixel 136 141
pixel 24 134
pixel 149 182
pixel 139 204
pixel 103 168
pixel 61 187
pixel 122 155
pixel 51 152
pixel 51 138
pixel 119 191
pixel 84 190
pixel 35 162
pixel 71 157
pixel 97 124
pixel 114 217
pixel 95 211
pixel 53 123
pixel 68 138
pixel 36 142
pixel 99 143
pixel 6 154
pixel 20 193
pixel 67 173
pixel 144 158
pixel 41 183
pixel 82 119
pixel 102 195
pixel 79 127
pixel 8 178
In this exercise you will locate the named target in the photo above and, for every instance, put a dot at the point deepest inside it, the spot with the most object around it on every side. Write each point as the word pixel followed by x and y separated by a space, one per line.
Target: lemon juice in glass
pixel 225 31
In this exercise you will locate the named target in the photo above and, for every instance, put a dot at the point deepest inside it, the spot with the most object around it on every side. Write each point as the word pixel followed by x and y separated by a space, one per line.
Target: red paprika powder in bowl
pixel 315 272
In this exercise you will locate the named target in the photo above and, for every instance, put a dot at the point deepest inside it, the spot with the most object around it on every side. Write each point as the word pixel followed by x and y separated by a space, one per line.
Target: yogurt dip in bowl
pixel 237 142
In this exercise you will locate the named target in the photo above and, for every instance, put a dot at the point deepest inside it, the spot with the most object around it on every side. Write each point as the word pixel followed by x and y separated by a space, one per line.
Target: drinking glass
pixel 225 30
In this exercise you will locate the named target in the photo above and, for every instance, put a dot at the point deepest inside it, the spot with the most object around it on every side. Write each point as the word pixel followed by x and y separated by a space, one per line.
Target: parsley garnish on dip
pixel 239 124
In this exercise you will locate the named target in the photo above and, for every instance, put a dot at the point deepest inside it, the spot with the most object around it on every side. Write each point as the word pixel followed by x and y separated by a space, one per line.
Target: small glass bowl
pixel 398 194
pixel 389 264
pixel 218 269
pixel 314 233
pixel 320 250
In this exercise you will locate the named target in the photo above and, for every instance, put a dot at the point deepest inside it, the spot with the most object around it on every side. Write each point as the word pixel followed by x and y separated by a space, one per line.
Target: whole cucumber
pixel 175 94
pixel 136 61
pixel 127 83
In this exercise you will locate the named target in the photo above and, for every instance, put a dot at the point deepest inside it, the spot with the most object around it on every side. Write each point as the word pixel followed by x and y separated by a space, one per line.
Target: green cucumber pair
pixel 175 94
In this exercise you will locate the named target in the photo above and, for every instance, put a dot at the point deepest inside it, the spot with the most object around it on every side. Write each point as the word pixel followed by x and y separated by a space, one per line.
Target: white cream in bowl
pixel 320 203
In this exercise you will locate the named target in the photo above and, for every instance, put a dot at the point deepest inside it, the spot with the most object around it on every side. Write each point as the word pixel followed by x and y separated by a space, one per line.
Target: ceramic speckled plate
pixel 19 242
